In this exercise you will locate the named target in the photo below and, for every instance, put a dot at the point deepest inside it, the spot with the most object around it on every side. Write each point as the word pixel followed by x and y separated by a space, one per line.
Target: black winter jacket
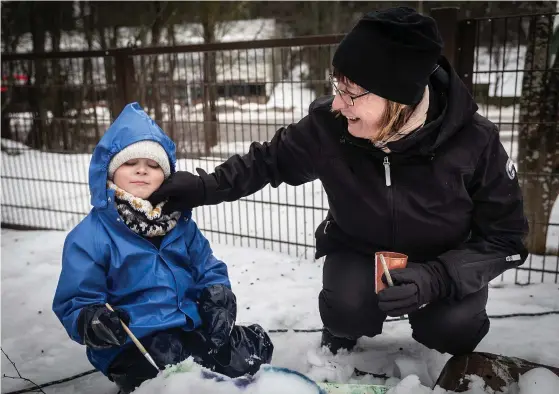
pixel 448 192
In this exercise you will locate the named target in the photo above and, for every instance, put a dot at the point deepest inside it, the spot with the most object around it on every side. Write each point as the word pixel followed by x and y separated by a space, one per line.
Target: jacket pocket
pixel 331 238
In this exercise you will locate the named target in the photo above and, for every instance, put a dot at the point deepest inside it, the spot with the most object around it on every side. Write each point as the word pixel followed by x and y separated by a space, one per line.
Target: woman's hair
pixel 394 117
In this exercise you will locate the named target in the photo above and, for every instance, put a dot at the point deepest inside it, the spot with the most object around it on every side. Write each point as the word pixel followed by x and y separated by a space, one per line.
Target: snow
pixel 538 381
pixel 409 385
pixel 273 289
pixel 231 65
pixel 498 68
pixel 185 378
pixel 187 33
pixel 12 146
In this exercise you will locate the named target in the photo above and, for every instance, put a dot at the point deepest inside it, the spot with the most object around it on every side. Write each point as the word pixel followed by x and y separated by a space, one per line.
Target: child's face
pixel 139 177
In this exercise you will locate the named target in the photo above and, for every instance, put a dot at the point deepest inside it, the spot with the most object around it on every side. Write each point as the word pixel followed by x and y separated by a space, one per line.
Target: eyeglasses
pixel 345 96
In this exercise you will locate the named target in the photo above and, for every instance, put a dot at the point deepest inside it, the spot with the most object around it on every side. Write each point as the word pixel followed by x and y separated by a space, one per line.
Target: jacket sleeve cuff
pixel 208 187
pixel 442 279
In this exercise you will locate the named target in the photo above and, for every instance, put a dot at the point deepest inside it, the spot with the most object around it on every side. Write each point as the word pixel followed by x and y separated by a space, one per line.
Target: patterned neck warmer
pixel 140 216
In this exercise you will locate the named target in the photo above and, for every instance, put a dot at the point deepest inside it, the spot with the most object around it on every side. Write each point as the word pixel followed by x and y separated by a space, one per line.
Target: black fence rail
pixel 213 100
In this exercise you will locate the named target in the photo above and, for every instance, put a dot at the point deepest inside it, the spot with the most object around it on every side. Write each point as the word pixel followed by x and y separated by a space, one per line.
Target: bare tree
pixel 538 151
pixel 12 17
pixel 209 22
pixel 106 41
pixel 58 128
pixel 36 137
pixel 43 18
pixel 172 67
pixel 156 29
pixel 314 18
pixel 213 17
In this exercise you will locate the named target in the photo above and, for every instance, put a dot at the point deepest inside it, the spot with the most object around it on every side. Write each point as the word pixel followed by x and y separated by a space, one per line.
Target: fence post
pixel 124 81
pixel 466 52
pixel 447 21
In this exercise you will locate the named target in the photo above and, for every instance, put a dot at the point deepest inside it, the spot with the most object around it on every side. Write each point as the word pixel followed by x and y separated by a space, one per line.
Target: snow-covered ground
pixel 273 289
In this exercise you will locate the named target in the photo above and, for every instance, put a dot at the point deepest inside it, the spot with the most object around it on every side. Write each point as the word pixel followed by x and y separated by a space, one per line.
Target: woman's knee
pixel 347 303
pixel 346 315
pixel 455 328
pixel 455 338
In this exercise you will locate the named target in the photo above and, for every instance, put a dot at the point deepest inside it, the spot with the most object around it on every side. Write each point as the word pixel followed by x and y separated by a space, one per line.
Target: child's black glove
pixel 218 309
pixel 414 286
pixel 100 328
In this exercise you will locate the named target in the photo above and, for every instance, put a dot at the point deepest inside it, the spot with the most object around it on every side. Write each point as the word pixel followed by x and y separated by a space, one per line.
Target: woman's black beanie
pixel 391 53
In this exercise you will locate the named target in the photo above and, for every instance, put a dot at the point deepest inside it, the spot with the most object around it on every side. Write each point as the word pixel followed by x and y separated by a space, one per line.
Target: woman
pixel 408 166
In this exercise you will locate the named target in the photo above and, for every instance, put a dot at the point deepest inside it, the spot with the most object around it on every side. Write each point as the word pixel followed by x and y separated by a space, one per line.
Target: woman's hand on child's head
pixel 218 309
pixel 101 328
pixel 182 190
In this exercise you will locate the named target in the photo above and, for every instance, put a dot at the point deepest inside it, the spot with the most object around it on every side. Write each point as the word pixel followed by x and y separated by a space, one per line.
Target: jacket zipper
pixel 388 179
pixel 386 164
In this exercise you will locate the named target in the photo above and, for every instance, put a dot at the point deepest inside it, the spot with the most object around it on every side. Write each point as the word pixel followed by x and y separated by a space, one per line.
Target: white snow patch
pixel 538 381
pixel 35 340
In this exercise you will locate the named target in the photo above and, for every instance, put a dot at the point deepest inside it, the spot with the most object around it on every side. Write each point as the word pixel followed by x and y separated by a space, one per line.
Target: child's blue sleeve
pixel 82 281
pixel 210 270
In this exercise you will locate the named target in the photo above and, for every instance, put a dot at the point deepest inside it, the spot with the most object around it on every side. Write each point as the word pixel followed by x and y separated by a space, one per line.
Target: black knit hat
pixel 391 53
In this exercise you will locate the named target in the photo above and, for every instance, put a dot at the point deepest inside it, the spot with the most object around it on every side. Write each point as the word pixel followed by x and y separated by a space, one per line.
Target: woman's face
pixel 364 116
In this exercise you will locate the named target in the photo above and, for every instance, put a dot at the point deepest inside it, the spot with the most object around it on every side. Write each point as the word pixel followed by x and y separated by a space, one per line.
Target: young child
pixel 156 270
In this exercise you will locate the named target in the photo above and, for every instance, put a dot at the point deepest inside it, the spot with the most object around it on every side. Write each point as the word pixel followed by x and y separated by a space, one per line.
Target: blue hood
pixel 131 126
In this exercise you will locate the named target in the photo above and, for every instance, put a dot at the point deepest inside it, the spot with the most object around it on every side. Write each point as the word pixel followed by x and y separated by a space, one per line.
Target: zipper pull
pixel 386 164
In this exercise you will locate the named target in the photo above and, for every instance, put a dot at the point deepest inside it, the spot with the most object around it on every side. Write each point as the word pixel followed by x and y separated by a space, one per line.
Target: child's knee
pixel 249 348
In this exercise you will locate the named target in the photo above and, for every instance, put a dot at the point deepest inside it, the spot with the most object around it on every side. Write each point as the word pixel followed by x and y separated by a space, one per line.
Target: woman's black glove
pixel 182 190
pixel 414 286
pixel 218 309
pixel 100 328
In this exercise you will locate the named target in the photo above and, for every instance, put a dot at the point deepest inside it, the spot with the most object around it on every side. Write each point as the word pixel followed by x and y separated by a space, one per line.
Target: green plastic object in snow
pixel 327 388
pixel 348 388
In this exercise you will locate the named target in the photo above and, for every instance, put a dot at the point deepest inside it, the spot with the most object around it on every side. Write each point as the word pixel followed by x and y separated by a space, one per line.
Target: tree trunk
pixel 172 66
pixel 6 107
pixel 538 143
pixel 87 77
pixel 58 127
pixel 6 127
pixel 319 59
pixel 155 36
pixel 210 91
pixel 10 41
pixel 109 65
pixel 36 137
pixel 142 76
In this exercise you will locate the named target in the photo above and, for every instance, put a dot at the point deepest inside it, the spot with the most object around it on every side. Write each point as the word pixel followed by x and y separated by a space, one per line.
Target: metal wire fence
pixel 213 100
pixel 515 80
